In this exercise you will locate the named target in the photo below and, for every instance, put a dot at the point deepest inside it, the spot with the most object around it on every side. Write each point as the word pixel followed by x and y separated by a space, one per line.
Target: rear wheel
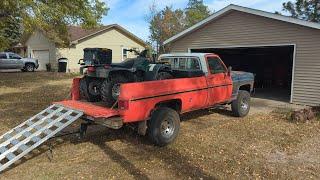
pixel 164 126
pixel 163 75
pixel 110 89
pixel 90 89
pixel 241 106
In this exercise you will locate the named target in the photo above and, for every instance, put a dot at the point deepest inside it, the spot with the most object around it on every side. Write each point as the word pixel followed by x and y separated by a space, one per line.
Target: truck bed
pixel 94 110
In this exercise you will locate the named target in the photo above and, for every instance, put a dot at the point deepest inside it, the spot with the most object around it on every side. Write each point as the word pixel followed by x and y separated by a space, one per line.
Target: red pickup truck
pixel 200 81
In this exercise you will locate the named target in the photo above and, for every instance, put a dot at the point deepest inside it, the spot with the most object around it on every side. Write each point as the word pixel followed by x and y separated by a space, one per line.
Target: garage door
pixel 272 66
pixel 43 58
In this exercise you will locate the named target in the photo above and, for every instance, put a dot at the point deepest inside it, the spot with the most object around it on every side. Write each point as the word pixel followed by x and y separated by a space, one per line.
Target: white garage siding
pixel 38 46
pixel 43 58
pixel 237 28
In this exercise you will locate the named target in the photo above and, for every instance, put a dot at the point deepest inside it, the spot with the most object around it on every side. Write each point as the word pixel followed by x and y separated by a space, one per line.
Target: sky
pixel 132 14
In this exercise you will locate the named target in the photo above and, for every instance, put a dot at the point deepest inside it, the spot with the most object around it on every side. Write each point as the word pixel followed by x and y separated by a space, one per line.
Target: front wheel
pixel 164 126
pixel 241 106
pixel 29 67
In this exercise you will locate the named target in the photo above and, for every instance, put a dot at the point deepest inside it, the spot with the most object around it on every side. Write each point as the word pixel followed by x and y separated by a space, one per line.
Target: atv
pixel 102 78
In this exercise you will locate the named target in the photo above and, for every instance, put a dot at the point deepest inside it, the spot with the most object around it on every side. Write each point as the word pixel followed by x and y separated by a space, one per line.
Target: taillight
pixel 106 66
pixel 123 105
pixel 91 69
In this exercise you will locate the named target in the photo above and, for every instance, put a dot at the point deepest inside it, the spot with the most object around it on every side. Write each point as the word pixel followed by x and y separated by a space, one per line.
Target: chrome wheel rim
pixel 167 128
pixel 94 89
pixel 244 104
pixel 116 91
pixel 29 68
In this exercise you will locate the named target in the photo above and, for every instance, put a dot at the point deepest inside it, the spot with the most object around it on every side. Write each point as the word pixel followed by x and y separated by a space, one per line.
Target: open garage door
pixel 43 58
pixel 272 66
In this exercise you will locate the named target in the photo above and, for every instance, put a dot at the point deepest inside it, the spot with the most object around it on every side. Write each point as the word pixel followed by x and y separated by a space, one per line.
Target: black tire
pixel 108 89
pixel 241 106
pixel 163 75
pixel 164 126
pixel 29 67
pixel 90 89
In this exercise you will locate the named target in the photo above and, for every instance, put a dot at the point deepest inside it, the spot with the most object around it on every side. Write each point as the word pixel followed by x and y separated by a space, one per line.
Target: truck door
pixel 217 80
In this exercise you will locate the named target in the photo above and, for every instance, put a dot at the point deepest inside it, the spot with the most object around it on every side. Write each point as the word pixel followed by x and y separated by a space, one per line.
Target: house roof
pixel 245 10
pixel 78 33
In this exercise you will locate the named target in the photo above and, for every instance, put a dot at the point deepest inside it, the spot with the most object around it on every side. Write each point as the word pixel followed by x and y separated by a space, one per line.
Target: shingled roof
pixel 78 33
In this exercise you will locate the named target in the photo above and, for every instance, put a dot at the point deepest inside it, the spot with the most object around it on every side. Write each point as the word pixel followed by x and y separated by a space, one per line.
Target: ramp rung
pixel 14 142
pixel 10 156
pixel 35 139
pixel 18 129
pixel 30 134
pixel 3 149
pixel 26 134
pixel 7 136
pixel 23 147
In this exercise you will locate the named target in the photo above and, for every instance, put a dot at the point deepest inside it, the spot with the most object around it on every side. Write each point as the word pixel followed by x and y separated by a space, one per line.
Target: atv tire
pixel 110 89
pixel 163 76
pixel 90 89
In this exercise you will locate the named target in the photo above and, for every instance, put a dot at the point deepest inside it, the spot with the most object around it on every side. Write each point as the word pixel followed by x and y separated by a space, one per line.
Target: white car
pixel 9 60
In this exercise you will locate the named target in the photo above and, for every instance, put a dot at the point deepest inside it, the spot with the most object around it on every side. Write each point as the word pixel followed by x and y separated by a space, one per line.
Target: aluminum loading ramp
pixel 27 136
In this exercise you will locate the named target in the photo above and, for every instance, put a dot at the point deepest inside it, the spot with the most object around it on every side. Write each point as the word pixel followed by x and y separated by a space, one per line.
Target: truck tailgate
pixel 89 109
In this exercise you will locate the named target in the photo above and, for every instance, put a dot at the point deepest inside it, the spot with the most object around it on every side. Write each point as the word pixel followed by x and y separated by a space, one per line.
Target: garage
pixel 271 65
pixel 282 52
pixel 43 58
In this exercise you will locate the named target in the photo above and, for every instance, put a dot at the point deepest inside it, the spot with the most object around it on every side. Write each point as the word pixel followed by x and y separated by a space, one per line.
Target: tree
pixel 48 16
pixel 195 12
pixel 167 22
pixel 164 24
pixel 308 10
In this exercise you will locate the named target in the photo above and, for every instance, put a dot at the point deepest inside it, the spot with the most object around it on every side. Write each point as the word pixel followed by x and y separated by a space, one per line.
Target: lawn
pixel 211 144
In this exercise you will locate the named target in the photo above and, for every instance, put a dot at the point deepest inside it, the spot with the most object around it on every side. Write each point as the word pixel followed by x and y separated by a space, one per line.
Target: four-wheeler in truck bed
pixel 102 78
pixel 202 81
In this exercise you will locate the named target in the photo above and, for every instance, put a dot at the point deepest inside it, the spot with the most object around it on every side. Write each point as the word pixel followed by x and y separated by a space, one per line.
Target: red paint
pixel 75 89
pixel 221 83
pixel 89 109
pixel 138 100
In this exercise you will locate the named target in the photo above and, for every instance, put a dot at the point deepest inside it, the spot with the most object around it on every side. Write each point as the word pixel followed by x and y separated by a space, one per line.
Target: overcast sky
pixel 131 14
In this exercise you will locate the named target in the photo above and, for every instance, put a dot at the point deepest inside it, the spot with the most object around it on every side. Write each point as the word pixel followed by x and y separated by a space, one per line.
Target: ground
pixel 211 145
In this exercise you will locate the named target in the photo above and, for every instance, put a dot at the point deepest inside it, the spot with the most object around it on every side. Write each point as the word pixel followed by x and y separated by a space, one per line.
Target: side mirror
pixel 229 70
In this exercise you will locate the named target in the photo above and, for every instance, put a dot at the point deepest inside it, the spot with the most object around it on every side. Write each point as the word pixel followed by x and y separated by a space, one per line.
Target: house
pixel 113 37
pixel 283 52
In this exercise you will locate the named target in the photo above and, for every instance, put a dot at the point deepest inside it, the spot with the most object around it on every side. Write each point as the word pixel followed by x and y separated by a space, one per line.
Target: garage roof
pixel 245 10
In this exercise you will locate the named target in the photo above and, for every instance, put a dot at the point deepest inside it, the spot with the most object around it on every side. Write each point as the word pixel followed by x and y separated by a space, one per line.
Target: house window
pixel 124 53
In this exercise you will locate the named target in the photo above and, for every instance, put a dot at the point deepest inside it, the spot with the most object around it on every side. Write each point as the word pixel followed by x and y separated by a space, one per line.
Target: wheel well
pixel 246 87
pixel 29 63
pixel 173 104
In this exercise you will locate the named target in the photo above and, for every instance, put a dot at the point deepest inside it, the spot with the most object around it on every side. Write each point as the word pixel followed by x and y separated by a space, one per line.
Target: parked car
pixel 9 60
